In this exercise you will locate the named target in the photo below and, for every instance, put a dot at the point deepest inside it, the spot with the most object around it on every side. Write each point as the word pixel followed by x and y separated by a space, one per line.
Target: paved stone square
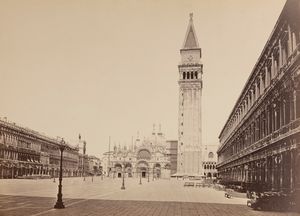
pixel 104 197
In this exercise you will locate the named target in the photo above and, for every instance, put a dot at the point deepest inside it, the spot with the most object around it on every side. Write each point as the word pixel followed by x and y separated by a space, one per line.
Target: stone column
pixel 293 41
pixel 254 173
pixel 290 47
pixel 272 172
pixel 280 54
pixel 272 67
pixel 261 84
pixel 272 118
pixel 297 103
pixel 256 92
pixel 249 100
pixel 12 172
pixel 246 173
pixel 281 171
pixel 283 114
pixel 293 105
pixel 292 170
pixel 260 170
pixel 267 77
pixel 1 173
pixel 267 171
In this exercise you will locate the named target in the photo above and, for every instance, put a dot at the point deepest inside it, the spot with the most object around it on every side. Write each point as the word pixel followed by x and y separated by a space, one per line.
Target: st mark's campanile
pixel 189 160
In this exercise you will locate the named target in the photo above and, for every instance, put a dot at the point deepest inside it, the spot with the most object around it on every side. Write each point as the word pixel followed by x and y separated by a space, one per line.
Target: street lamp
pixel 83 171
pixel 59 203
pixel 153 175
pixel 123 179
pixel 140 176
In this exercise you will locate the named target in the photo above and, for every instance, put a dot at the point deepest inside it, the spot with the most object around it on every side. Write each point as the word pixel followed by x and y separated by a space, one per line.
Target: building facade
pixel 259 144
pixel 25 153
pixel 148 157
pixel 172 149
pixel 95 167
pixel 190 92
pixel 209 163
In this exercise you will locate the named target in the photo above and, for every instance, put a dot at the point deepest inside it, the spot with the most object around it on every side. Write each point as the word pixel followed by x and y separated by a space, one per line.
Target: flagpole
pixel 108 167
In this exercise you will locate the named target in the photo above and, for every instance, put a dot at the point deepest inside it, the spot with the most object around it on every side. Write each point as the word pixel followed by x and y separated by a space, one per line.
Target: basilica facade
pixel 150 157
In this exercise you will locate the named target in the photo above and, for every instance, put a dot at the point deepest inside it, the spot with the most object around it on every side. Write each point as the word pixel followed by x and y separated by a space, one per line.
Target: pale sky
pixel 109 67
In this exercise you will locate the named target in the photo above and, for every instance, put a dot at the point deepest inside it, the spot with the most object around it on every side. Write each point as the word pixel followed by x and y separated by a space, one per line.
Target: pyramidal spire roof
pixel 190 40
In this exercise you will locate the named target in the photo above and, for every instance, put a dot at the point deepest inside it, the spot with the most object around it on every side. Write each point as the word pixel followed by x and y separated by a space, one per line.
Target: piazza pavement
pixel 104 197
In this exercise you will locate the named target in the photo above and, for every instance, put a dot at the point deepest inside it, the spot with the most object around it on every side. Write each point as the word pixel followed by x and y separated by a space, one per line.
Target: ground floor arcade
pixel 273 168
pixel 141 169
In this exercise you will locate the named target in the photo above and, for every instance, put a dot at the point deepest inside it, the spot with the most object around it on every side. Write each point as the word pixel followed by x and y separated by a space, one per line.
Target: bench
pixel 189 184
pixel 198 184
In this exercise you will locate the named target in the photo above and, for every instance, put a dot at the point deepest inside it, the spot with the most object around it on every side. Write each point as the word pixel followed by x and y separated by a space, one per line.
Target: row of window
pixel 274 117
pixel 277 59
pixel 209 166
pixel 190 75
pixel 14 155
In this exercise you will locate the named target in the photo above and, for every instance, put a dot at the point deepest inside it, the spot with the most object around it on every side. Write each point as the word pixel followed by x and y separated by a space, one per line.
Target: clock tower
pixel 189 160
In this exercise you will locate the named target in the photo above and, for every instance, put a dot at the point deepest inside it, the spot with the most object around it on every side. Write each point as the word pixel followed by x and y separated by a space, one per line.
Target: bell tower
pixel 189 160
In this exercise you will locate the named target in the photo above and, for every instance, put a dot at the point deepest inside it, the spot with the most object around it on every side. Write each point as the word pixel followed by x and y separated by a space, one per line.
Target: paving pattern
pixel 104 197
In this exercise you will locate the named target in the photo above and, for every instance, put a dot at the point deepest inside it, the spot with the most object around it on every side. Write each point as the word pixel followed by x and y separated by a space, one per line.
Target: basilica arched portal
pixel 128 169
pixel 142 168
pixel 118 170
pixel 157 170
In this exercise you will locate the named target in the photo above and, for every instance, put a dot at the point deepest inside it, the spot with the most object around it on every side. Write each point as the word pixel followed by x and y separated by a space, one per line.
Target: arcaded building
pixel 26 153
pixel 209 161
pixel 259 144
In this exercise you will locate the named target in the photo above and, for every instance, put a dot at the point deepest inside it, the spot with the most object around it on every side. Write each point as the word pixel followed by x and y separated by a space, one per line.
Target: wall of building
pixel 259 144
pixel 209 163
pixel 25 153
pixel 173 149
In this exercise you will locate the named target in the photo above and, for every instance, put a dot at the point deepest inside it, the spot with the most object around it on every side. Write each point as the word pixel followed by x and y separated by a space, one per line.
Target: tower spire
pixel 190 40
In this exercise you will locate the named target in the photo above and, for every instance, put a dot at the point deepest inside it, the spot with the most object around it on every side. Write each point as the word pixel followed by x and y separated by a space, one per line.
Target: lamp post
pixel 140 176
pixel 123 176
pixel 83 171
pixel 59 203
pixel 148 174
pixel 53 175
pixel 153 174
pixel 123 179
